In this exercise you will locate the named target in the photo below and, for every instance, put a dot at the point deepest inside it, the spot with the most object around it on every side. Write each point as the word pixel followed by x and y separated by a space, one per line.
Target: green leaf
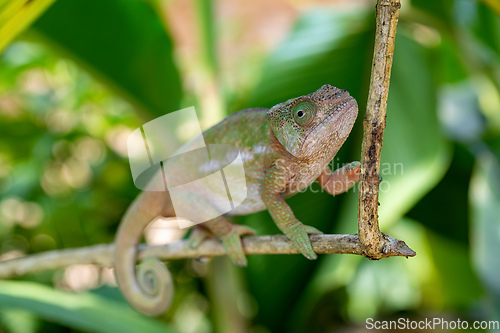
pixel 123 43
pixel 440 10
pixel 448 66
pixel 18 321
pixel 454 269
pixel 415 155
pixel 445 209
pixel 486 27
pixel 484 197
pixel 84 311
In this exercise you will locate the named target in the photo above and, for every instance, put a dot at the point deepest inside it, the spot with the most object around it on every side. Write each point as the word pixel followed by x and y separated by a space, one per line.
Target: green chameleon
pixel 285 148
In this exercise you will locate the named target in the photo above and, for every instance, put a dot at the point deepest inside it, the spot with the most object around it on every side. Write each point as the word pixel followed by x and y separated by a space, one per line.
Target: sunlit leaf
pixel 454 270
pixel 17 15
pixel 18 321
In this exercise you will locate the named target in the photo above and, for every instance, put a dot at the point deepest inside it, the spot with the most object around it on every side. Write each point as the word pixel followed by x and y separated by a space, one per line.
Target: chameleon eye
pixel 304 113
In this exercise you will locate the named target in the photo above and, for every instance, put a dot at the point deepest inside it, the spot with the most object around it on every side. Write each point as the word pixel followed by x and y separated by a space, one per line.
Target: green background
pixel 87 72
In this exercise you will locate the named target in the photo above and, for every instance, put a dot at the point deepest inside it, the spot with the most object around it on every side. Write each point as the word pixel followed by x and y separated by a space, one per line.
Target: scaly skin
pixel 284 149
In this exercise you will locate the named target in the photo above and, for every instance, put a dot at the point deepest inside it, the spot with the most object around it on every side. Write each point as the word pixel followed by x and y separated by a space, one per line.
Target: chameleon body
pixel 284 149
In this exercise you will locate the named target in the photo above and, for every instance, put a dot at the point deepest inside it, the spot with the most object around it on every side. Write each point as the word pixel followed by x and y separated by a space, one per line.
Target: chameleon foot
pixel 232 243
pixel 352 170
pixel 299 235
pixel 198 235
pixel 341 179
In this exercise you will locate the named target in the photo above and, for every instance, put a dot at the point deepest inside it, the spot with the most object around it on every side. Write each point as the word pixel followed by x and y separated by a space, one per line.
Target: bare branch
pixel 102 254
pixel 376 245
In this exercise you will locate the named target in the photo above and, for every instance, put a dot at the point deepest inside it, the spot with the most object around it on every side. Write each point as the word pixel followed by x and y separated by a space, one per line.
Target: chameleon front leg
pixel 274 183
pixel 340 180
pixel 228 233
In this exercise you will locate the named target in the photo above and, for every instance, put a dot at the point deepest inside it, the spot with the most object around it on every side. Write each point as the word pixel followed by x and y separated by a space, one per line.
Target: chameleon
pixel 285 149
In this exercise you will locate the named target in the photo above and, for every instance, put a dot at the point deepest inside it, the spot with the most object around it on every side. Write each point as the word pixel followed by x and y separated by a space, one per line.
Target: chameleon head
pixel 313 124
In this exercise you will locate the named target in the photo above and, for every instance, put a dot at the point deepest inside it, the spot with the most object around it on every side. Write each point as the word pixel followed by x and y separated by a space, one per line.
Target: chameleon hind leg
pixel 228 233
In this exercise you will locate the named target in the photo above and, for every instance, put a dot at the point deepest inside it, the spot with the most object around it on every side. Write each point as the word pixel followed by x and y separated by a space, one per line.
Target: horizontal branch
pixel 102 254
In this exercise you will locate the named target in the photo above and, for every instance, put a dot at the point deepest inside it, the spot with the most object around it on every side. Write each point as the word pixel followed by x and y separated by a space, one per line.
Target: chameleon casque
pixel 285 149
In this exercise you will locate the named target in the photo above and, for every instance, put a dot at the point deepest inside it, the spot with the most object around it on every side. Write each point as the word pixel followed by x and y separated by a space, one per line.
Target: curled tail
pixel 149 289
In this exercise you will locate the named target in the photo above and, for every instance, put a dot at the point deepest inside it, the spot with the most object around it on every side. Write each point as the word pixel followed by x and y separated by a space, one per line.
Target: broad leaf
pixel 485 227
pixel 84 311
pixel 122 42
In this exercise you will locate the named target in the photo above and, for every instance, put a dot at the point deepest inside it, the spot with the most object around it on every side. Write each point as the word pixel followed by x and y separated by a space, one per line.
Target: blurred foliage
pixel 88 72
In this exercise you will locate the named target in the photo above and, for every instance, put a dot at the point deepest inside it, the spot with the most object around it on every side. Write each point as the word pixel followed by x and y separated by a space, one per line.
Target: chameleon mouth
pixel 347 110
pixel 338 123
pixel 343 109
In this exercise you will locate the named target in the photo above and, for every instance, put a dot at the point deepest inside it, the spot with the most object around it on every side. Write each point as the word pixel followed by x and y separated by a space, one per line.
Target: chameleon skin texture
pixel 284 149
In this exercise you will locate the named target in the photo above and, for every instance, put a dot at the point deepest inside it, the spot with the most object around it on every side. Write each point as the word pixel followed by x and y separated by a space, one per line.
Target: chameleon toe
pixel 234 249
pixel 312 230
pixel 197 236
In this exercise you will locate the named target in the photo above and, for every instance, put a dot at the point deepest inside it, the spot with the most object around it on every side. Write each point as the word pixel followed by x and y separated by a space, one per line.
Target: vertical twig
pixel 376 245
